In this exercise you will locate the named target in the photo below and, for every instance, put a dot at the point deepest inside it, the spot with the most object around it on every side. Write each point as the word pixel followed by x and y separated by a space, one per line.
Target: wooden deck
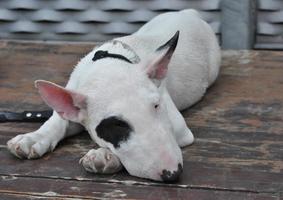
pixel 238 152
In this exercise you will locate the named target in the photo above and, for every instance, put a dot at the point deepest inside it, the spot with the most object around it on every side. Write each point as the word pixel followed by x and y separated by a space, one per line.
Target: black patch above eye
pixel 113 130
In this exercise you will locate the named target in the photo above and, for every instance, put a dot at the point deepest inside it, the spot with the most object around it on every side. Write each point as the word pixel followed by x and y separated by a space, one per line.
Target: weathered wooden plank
pixel 22 63
pixel 23 196
pixel 207 145
pixel 201 169
pixel 246 97
pixel 40 187
pixel 238 125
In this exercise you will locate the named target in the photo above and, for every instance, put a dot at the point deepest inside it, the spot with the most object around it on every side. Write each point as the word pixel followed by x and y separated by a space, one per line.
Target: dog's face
pixel 131 119
pixel 124 109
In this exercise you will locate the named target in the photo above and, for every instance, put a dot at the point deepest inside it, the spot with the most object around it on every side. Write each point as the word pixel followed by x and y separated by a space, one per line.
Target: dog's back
pixel 195 63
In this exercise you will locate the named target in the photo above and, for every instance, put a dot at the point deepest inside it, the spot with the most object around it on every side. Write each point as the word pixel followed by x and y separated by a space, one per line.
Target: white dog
pixel 127 94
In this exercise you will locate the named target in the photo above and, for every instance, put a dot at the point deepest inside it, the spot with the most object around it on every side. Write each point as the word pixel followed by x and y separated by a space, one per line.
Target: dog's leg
pixel 102 161
pixel 184 136
pixel 35 144
pixel 182 133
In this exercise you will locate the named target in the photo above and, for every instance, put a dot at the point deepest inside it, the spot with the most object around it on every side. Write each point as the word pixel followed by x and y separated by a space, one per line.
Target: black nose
pixel 168 176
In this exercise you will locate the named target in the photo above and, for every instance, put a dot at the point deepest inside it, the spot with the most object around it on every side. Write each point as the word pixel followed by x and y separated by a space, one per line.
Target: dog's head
pixel 124 108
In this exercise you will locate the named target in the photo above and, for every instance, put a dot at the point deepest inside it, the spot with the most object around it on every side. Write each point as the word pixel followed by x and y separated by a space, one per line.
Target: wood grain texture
pixel 238 152
pixel 40 187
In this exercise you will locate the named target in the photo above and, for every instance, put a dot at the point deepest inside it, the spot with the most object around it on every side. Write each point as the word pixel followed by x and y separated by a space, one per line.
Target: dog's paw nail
pixel 33 154
pixel 108 156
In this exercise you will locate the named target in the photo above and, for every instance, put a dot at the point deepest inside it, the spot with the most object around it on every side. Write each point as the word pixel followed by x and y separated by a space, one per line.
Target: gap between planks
pixel 139 183
pixel 45 195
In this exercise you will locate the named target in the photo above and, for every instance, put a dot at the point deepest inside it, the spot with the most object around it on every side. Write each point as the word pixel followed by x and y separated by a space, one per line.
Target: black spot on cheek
pixel 114 130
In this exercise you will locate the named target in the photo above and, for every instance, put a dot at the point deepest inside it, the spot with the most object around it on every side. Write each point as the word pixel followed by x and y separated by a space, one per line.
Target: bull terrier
pixel 127 94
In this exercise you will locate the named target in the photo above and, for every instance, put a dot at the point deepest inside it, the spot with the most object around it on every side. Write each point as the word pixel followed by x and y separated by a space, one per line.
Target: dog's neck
pixel 117 49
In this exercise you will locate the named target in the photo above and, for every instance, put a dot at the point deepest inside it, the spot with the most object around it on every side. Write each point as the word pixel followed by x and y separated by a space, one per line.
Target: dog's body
pixel 190 71
pixel 125 85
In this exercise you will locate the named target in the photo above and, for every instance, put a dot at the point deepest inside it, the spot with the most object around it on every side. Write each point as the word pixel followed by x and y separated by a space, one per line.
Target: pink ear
pixel 67 104
pixel 158 66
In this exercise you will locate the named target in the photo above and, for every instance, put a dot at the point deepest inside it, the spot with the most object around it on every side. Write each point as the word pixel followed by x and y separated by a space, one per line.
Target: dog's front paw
pixel 102 161
pixel 30 145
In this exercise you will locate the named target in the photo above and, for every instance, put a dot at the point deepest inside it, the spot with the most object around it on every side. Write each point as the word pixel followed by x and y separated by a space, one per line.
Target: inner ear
pixel 158 64
pixel 68 104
